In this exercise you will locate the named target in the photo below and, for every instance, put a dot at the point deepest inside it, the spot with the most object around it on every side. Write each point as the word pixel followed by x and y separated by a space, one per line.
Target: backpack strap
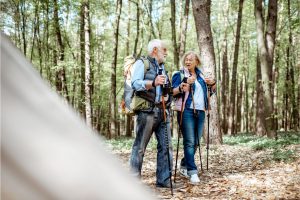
pixel 181 74
pixel 146 64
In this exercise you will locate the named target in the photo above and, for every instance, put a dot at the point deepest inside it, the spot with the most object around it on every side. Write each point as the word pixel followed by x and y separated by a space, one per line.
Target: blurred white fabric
pixel 47 151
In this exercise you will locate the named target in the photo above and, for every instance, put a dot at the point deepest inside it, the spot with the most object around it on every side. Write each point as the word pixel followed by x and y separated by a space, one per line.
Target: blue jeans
pixel 147 123
pixel 192 128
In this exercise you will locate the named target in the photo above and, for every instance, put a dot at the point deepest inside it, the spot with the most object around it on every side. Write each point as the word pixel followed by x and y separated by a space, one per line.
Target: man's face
pixel 161 54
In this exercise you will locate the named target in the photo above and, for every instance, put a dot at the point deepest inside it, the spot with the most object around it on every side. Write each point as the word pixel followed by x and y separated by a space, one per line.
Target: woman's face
pixel 191 62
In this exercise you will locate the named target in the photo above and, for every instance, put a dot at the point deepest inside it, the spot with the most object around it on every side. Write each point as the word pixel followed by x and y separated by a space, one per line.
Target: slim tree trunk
pixel 87 82
pixel 239 108
pixel 128 28
pixel 82 108
pixel 173 20
pixel 265 68
pixel 224 90
pixel 201 11
pixel 150 18
pixel 137 27
pixel 34 28
pixel 24 25
pixel 294 114
pixel 113 105
pixel 128 119
pixel 231 124
pixel 184 28
pixel 61 85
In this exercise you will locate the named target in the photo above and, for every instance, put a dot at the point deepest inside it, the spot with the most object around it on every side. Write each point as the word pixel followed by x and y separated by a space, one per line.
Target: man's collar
pixel 153 60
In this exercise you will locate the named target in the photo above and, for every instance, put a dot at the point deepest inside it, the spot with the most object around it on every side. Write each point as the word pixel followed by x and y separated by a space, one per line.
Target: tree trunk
pixel 87 82
pixel 294 114
pixel 231 124
pixel 61 84
pixel 240 107
pixel 150 18
pixel 173 20
pixel 128 128
pixel 82 108
pixel 265 68
pixel 24 25
pixel 137 27
pixel 260 119
pixel 224 90
pixel 128 29
pixel 34 28
pixel 113 104
pixel 201 11
pixel 184 28
pixel 270 38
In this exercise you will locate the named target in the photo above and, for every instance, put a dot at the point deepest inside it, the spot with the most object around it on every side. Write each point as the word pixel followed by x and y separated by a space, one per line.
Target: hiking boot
pixel 183 172
pixel 194 179
pixel 176 186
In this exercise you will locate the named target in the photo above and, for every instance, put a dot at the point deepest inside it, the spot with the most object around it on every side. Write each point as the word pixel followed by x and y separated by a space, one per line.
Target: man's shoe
pixel 194 179
pixel 175 186
pixel 183 172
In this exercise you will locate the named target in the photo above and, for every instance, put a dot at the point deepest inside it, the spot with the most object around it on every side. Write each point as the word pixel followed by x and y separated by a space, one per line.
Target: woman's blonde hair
pixel 189 53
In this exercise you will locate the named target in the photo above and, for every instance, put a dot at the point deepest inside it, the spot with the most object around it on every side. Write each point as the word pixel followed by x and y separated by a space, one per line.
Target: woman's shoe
pixel 194 179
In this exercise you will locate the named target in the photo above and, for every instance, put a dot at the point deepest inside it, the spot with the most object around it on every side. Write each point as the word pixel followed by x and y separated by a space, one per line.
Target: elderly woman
pixel 194 88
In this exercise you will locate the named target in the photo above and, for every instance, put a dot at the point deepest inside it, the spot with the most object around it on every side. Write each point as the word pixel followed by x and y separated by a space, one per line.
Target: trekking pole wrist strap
pixel 180 89
pixel 153 83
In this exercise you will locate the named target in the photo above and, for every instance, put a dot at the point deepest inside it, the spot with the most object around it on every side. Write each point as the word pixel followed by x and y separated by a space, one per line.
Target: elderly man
pixel 148 85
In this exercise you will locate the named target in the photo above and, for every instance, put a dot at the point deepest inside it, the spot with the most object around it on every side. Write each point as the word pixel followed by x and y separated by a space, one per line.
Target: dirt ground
pixel 235 172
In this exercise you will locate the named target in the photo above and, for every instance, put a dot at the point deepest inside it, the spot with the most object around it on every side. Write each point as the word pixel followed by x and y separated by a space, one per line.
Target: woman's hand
pixel 191 79
pixel 185 87
pixel 210 81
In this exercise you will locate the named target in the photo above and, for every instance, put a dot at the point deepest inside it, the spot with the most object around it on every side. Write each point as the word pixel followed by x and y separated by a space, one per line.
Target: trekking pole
pixel 197 136
pixel 180 130
pixel 208 115
pixel 167 141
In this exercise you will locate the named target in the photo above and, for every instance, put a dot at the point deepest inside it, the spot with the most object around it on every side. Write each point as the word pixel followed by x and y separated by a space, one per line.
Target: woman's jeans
pixel 147 123
pixel 192 128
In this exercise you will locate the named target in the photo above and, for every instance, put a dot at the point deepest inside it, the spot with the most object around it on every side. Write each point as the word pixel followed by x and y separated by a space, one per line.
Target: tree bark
pixel 294 115
pixel 260 118
pixel 82 108
pixel 265 68
pixel 87 82
pixel 24 25
pixel 61 83
pixel 173 19
pixel 232 123
pixel 224 86
pixel 113 104
pixel 184 28
pixel 137 27
pixel 201 11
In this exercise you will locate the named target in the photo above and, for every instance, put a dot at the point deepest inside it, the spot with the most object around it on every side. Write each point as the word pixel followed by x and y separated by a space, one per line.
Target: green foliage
pixel 125 143
pixel 277 147
pixel 283 155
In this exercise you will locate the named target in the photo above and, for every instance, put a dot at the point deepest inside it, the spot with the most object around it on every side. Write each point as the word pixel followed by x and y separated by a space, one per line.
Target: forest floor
pixel 237 170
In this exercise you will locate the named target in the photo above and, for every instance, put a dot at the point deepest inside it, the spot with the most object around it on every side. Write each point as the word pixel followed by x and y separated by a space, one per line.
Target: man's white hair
pixel 154 43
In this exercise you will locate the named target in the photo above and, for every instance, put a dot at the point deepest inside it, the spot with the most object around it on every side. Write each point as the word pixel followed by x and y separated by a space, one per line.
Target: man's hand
pixel 160 80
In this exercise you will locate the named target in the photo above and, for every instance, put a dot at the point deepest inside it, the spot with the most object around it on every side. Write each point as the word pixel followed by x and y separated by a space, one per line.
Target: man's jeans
pixel 147 123
pixel 192 124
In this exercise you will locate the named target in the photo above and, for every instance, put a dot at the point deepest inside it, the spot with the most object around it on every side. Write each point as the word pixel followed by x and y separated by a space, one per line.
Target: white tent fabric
pixel 47 151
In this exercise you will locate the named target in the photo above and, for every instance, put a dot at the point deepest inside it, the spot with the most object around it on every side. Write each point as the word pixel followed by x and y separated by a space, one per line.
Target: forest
pixel 250 46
